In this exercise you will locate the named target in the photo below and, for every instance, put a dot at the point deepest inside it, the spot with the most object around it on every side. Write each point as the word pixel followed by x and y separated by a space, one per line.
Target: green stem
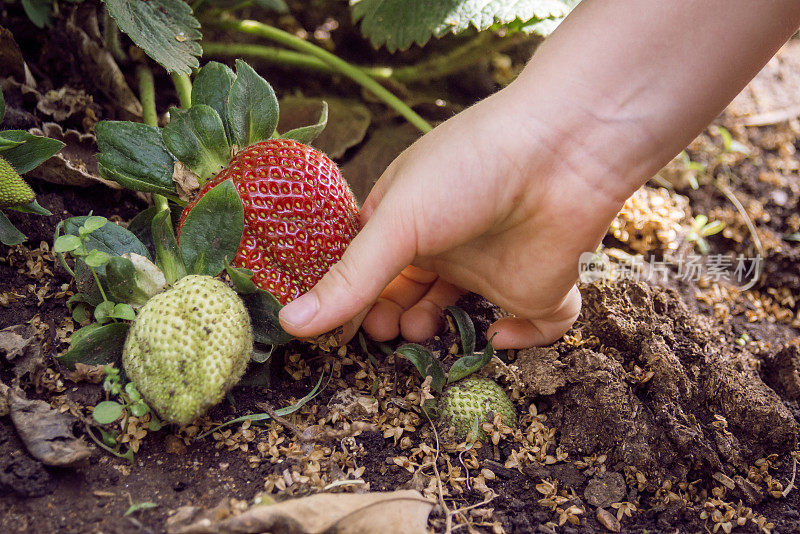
pixel 111 37
pixel 147 95
pixel 354 73
pixel 184 88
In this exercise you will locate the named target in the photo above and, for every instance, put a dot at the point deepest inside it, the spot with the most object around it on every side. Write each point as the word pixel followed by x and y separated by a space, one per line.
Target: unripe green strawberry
pixel 13 189
pixel 472 399
pixel 187 347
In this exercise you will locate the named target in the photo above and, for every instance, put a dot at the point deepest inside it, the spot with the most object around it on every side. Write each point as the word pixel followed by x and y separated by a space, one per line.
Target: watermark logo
pixel 740 270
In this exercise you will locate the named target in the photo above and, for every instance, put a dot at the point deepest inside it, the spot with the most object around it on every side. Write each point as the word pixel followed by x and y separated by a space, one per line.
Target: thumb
pixel 377 254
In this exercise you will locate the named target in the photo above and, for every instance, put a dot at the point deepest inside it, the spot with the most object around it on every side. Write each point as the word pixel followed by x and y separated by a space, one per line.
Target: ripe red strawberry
pixel 299 214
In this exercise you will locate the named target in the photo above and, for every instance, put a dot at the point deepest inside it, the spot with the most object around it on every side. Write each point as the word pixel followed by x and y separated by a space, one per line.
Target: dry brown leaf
pixel 397 512
pixel 94 374
pixel 22 348
pixel 46 433
pixel 186 181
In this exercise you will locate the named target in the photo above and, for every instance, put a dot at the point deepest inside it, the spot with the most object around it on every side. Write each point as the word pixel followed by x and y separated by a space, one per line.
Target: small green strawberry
pixel 188 346
pixel 473 401
pixel 14 191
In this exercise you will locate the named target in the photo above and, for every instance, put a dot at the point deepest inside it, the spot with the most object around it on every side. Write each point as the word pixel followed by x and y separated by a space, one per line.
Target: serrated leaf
pixel 165 29
pixel 197 138
pixel 9 235
pixel 97 346
pixel 212 231
pixel 106 412
pixel 252 107
pixel 211 87
pixel 31 151
pixel 263 309
pixel 306 134
pixel 168 254
pixel 425 362
pixel 133 155
pixel 400 23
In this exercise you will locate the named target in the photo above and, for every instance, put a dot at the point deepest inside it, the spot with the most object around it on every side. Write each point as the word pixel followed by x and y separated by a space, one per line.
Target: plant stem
pixel 147 95
pixel 111 37
pixel 354 73
pixel 184 88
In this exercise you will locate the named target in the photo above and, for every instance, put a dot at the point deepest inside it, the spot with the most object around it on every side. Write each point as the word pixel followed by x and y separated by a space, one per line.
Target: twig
pixel 791 482
pixel 335 62
pixel 754 235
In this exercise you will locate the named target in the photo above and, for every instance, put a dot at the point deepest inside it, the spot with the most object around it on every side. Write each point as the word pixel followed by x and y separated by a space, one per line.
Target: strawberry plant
pixel 464 402
pixel 20 152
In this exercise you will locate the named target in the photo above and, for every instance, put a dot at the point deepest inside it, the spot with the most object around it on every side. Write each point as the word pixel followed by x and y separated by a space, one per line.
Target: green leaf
pixel 31 207
pixel 466 365
pixel 121 279
pixel 39 11
pixel 252 107
pixel 211 87
pixel 104 311
pixel 86 284
pixel 306 134
pixel 263 309
pixel 425 362
pixel 9 235
pixel 98 345
pixel 213 230
pixel 168 255
pixel 139 409
pixel 164 29
pixel 123 311
pixel 133 155
pixel 66 243
pixel 465 327
pixel 133 393
pixel 197 138
pixel 94 222
pixel 261 356
pixel 400 23
pixel 112 239
pixel 107 412
pixel 241 278
pixel 96 258
pixel 141 225
pixel 274 5
pixel 31 151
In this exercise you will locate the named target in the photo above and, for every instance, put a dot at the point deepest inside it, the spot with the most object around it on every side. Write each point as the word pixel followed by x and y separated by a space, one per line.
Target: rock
pixel 608 520
pixel 603 490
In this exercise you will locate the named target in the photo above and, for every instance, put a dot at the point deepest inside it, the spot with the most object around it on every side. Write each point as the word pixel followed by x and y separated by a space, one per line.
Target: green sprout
pixel 700 230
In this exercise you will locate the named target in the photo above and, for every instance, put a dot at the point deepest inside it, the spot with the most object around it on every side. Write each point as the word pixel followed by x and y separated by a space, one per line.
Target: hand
pixel 474 206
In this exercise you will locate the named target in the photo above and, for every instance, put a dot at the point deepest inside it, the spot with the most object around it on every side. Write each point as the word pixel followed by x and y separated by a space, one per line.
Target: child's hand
pixel 472 206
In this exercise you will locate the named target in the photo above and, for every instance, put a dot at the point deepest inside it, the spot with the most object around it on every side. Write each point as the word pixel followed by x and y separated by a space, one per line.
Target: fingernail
pixel 300 311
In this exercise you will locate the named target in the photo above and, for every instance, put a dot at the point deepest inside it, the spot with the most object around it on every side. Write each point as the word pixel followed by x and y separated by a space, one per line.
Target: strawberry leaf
pixel 425 362
pixel 133 155
pixel 211 87
pixel 9 235
pixel 264 308
pixel 27 151
pixel 164 29
pixel 197 138
pixel 168 255
pixel 400 23
pixel 306 134
pixel 212 230
pixel 96 345
pixel 252 107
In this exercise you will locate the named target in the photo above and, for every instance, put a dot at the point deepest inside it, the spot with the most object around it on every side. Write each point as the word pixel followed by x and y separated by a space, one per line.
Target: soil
pixel 672 406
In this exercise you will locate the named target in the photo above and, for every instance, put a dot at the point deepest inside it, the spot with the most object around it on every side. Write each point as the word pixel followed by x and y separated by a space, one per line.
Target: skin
pixel 503 198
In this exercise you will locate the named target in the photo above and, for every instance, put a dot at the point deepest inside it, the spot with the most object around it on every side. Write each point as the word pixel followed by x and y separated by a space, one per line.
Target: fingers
pixel 377 254
pixel 383 321
pixel 424 319
pixel 519 333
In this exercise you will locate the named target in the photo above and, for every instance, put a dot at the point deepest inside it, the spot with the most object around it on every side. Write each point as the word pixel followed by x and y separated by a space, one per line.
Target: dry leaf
pixel 22 348
pixel 186 181
pixel 94 374
pixel 46 433
pixel 397 512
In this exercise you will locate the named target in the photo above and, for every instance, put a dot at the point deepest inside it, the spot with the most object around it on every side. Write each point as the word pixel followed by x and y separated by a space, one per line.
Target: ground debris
pixel 702 407
pixel 22 348
pixel 397 512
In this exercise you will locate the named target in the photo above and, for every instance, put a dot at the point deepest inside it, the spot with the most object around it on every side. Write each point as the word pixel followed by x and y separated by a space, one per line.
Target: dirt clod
pixel 603 490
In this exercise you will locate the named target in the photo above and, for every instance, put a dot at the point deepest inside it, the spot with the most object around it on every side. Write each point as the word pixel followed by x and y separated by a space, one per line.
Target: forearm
pixel 623 85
